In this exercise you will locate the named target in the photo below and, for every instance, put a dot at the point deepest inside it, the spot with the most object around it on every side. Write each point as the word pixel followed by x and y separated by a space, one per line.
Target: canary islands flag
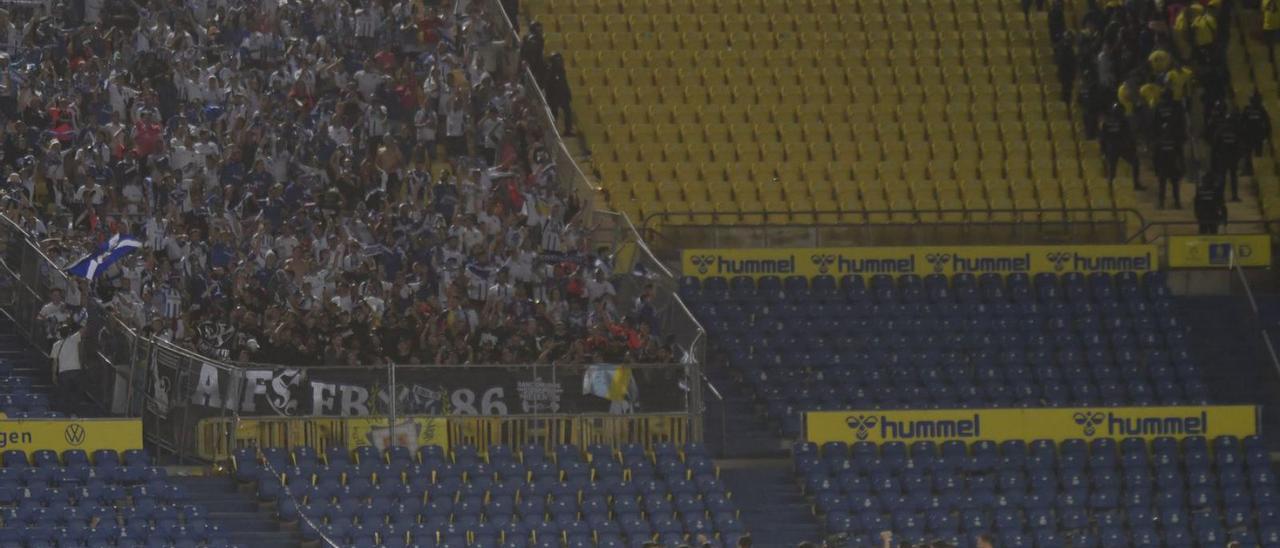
pixel 611 382
pixel 107 254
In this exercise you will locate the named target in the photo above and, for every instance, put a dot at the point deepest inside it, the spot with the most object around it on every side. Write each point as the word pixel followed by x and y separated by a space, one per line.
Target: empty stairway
pixel 733 428
pixel 246 522
pixel 771 504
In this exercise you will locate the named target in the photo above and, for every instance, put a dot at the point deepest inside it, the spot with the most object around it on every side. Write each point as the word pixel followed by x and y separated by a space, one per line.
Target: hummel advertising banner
pixel 1055 424
pixel 866 261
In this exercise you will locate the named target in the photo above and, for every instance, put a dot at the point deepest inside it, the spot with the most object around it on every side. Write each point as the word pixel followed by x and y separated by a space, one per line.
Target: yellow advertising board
pixel 412 432
pixel 1219 250
pixel 60 435
pixel 1030 424
pixel 810 262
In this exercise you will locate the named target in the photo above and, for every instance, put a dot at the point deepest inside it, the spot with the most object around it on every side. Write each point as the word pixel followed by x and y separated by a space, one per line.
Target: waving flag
pixel 108 253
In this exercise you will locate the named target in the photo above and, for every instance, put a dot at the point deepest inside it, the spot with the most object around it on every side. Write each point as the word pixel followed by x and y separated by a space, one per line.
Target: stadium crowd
pixel 1138 67
pixel 312 183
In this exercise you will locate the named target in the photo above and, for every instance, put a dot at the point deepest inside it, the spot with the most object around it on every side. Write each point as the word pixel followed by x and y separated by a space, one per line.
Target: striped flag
pixel 107 254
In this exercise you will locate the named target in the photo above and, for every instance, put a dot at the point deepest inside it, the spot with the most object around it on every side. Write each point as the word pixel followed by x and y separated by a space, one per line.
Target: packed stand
pixel 916 342
pixel 120 499
pixel 627 496
pixel 311 183
pixel 1139 66
pixel 1079 493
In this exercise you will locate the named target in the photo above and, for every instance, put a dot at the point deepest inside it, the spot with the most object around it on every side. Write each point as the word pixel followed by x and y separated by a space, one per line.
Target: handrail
pixel 1235 267
pixel 1265 225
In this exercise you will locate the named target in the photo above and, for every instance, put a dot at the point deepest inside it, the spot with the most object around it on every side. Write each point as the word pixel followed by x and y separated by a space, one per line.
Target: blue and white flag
pixel 108 253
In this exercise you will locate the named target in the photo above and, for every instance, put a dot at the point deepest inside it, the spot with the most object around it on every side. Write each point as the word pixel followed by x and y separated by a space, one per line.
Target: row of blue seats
pixel 84 493
pixel 1252 447
pixel 633 534
pixel 139 508
pixel 1104 537
pixel 16 458
pixel 531 493
pixel 251 457
pixel 805 349
pixel 1152 284
pixel 436 472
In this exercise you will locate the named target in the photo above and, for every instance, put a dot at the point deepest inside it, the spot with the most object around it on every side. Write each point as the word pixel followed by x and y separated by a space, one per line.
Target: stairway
pixel 732 426
pixel 770 504
pixel 1226 342
pixel 245 522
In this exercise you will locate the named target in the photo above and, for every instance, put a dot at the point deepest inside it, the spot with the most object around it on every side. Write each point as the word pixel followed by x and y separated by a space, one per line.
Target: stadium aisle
pixel 768 496
pixel 237 513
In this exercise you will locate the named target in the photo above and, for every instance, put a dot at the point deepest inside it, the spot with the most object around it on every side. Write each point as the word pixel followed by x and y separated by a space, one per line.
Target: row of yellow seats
pixel 974 43
pixel 859 62
pixel 902 211
pixel 819 191
pixel 671 111
pixel 747 95
pixel 843 23
pixel 697 7
pixel 831 114
pixel 1072 193
pixel 728 170
pixel 922 150
pixel 827 60
pixel 865 154
pixel 874 189
pixel 796 75
pixel 819 182
pixel 843 139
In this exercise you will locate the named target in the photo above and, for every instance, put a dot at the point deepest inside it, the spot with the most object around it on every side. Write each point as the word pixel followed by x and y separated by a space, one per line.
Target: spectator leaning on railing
pixel 279 162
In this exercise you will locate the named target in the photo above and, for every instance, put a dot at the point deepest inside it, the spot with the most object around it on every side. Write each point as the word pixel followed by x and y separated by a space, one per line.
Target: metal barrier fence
pixel 219 437
pixel 832 228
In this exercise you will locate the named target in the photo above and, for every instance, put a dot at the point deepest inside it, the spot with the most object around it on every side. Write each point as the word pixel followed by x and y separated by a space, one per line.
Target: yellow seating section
pixel 876 110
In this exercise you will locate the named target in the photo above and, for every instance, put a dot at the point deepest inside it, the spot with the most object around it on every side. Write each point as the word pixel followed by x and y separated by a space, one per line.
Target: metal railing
pixel 1157 231
pixel 835 228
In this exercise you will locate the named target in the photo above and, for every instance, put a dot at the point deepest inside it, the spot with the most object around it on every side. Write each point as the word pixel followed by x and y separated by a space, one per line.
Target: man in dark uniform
pixel 1225 155
pixel 1091 97
pixel 1256 130
pixel 1211 210
pixel 1169 116
pixel 1166 158
pixel 1117 143
pixel 531 51
pixel 558 96
pixel 1064 54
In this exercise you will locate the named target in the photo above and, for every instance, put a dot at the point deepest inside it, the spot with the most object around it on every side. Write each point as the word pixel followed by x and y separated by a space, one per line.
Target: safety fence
pixel 219 437
pixel 833 228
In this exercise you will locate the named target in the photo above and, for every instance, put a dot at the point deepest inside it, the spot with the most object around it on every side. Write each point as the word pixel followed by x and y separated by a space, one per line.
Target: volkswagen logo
pixel 74 434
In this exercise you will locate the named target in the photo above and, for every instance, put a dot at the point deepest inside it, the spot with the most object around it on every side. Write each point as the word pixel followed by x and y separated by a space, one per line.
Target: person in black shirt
pixel 1211 210
pixel 1167 161
pixel 1117 143
pixel 531 51
pixel 1064 54
pixel 1090 98
pixel 558 96
pixel 1255 130
pixel 1225 155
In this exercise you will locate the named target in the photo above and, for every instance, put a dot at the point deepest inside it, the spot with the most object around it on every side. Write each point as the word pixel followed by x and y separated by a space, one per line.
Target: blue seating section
pixel 939 342
pixel 529 497
pixel 71 500
pixel 18 400
pixel 1040 494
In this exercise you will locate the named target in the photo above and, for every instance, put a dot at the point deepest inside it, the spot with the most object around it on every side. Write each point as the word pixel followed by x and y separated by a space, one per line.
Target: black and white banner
pixel 420 390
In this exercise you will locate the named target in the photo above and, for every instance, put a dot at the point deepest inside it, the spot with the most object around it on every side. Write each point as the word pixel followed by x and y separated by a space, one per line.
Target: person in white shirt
pixel 67 368
pixel 53 314
pixel 599 286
